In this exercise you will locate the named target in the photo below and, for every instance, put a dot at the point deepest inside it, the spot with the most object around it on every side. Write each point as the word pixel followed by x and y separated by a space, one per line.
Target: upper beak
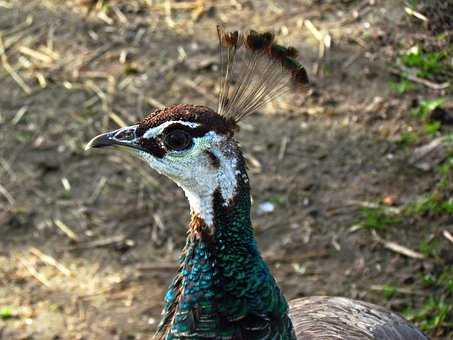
pixel 125 136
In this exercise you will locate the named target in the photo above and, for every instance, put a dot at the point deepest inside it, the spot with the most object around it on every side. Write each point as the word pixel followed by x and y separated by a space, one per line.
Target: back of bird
pixel 330 318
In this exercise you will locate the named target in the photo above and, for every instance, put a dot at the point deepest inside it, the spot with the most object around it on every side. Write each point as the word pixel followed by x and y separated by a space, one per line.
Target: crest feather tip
pixel 228 39
pixel 258 41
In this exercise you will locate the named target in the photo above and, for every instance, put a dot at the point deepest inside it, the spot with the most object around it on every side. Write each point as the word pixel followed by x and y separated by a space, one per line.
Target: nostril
pixel 125 135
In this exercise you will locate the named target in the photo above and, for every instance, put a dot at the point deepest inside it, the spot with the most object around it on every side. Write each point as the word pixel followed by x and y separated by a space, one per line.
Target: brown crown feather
pixel 208 119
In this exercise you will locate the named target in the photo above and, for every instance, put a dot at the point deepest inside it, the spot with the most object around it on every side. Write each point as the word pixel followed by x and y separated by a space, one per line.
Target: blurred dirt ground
pixel 88 241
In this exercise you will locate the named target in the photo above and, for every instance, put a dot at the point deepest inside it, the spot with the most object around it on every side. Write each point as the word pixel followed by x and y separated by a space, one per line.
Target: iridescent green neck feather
pixel 224 289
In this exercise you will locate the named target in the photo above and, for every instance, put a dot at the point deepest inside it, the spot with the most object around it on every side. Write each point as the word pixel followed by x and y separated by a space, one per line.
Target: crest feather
pixel 253 71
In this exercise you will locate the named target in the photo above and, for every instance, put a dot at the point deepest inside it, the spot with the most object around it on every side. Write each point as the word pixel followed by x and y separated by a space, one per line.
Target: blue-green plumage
pixel 224 289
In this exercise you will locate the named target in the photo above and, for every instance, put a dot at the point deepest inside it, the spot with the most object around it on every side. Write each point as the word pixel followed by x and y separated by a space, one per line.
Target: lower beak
pixel 125 136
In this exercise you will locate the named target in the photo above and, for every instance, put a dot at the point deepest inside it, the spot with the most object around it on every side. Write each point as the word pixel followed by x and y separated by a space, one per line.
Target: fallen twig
pixel 117 119
pixel 99 243
pixel 372 205
pixel 35 54
pixel 415 14
pixel 415 79
pixel 8 68
pixel 324 38
pixel 427 156
pixel 20 113
pixel 7 195
pixel 447 235
pixel 283 146
pixel 32 270
pixel 398 290
pixel 253 161
pixel 66 230
pixel 50 261
pixel 121 17
pixel 97 191
pixel 397 248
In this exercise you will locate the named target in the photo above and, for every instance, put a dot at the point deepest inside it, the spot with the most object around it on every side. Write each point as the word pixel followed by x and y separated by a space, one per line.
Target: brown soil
pixel 320 158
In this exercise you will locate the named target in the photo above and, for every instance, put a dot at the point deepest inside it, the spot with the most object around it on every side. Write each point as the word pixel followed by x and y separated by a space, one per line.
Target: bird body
pixel 324 317
pixel 223 288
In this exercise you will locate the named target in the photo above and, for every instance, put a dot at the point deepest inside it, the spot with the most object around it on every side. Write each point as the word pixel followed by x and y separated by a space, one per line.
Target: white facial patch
pixel 206 178
pixel 155 131
pixel 193 171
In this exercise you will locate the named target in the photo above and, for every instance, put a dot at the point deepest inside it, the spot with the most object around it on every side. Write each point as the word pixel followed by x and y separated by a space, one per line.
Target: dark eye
pixel 178 140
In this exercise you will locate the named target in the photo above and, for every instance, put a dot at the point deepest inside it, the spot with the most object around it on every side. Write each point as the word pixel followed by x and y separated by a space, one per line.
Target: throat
pixel 201 207
pixel 217 182
pixel 222 280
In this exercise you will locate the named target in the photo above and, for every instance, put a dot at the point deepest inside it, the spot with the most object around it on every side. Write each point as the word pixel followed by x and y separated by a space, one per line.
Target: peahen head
pixel 192 145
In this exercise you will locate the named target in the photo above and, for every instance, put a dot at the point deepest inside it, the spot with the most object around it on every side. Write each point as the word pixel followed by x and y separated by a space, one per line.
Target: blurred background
pixel 352 183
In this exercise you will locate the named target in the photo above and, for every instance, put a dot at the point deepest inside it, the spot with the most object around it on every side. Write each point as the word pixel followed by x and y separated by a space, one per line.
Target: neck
pixel 223 287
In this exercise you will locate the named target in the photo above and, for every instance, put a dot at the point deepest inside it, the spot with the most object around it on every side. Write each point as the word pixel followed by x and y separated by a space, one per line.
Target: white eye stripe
pixel 155 131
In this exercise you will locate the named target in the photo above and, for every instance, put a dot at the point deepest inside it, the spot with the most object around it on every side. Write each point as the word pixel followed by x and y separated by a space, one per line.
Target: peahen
pixel 223 288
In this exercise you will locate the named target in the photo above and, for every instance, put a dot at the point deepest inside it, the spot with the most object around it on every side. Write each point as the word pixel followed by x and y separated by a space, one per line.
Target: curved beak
pixel 125 136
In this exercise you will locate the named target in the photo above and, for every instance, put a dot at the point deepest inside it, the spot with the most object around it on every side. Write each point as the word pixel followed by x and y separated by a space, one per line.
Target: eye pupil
pixel 178 140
